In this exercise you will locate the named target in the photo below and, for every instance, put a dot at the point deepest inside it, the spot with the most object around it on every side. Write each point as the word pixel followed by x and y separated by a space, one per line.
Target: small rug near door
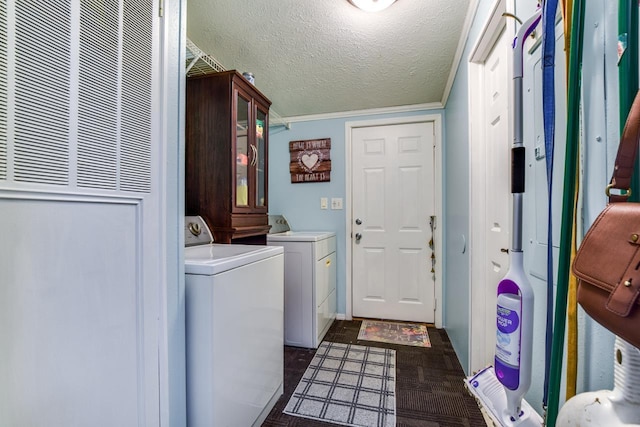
pixel 348 384
pixel 395 333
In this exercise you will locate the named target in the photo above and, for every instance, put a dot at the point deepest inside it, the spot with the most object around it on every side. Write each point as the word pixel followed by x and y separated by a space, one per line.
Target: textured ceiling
pixel 326 56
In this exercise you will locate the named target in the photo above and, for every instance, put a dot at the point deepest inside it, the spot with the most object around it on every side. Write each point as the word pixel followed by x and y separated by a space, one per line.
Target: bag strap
pixel 626 157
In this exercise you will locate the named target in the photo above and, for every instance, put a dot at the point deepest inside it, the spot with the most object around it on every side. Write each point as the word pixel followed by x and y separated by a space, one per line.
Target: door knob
pixel 358 221
pixel 358 237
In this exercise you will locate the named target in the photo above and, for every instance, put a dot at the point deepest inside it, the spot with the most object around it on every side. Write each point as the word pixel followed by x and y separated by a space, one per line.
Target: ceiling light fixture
pixel 372 5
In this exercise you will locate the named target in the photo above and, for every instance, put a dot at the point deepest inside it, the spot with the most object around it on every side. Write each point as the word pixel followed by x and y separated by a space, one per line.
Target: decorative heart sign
pixel 310 160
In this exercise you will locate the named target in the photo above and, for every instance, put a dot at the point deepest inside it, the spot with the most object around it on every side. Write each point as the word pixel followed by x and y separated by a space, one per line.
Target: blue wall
pixel 300 203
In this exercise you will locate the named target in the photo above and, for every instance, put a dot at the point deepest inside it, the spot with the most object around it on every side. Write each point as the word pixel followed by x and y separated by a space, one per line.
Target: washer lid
pixel 300 236
pixel 217 258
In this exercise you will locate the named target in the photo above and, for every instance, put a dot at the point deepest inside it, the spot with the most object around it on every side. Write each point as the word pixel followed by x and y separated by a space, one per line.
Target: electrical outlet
pixel 336 203
pixel 324 203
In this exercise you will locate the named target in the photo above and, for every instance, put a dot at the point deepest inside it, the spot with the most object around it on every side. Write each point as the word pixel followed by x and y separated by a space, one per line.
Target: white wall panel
pixel 600 137
pixel 71 313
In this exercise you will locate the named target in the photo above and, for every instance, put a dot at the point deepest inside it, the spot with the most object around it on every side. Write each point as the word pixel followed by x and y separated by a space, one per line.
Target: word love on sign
pixel 310 160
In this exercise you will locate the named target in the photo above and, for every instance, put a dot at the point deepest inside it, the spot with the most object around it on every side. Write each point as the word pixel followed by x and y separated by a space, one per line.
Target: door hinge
pixel 161 8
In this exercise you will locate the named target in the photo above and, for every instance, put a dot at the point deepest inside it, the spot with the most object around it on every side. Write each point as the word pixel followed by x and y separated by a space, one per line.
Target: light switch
pixel 336 203
pixel 324 203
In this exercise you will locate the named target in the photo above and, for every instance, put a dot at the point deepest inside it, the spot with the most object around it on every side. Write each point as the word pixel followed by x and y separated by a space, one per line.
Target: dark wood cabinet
pixel 227 122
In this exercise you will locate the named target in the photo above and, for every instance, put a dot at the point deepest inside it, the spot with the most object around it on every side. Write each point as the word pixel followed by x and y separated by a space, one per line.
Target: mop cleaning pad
pixel 490 394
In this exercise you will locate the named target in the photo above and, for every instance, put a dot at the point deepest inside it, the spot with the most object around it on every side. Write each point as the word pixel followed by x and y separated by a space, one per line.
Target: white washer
pixel 234 329
pixel 309 281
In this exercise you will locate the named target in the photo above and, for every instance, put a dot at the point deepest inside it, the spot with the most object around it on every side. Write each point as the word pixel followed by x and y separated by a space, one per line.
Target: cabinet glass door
pixel 243 157
pixel 260 177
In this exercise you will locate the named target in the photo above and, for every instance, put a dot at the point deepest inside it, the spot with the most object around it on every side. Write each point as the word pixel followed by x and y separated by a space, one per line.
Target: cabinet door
pixel 260 160
pixel 243 151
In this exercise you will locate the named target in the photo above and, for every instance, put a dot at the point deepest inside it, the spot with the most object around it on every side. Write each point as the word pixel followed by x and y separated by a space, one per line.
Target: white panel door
pixel 392 202
pixel 497 182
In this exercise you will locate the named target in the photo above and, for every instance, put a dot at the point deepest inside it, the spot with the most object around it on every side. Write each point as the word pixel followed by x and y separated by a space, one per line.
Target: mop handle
pixel 518 42
pixel 518 151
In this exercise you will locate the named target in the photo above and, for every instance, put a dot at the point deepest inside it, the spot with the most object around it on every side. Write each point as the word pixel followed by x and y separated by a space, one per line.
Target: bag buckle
pixel 621 192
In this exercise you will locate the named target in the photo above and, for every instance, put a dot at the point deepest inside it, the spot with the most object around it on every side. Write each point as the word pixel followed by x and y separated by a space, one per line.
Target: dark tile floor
pixel 430 390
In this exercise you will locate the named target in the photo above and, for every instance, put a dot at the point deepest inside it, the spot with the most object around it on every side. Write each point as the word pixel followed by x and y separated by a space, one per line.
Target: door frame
pixel 479 314
pixel 436 119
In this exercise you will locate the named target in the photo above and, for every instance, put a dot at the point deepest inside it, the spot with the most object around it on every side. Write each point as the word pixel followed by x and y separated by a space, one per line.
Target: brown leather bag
pixel 608 261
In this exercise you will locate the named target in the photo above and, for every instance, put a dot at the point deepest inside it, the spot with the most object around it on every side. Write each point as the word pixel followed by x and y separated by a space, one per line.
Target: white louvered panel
pixel 42 97
pixel 135 135
pixel 3 90
pixel 98 95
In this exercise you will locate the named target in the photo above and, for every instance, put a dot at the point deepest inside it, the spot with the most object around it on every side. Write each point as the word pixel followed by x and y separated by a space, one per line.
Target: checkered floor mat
pixel 348 384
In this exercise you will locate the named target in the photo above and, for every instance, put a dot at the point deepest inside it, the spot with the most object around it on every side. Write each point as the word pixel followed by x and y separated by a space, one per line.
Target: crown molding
pixel 369 112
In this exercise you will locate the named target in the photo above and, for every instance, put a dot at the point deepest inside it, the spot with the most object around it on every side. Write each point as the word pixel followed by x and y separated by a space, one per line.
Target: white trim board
pixel 369 112
pixel 437 124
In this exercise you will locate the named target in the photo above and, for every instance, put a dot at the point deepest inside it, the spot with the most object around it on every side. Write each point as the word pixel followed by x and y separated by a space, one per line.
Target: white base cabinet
pixel 309 286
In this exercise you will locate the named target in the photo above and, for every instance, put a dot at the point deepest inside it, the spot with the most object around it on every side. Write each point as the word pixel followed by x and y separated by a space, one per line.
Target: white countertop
pixel 300 236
